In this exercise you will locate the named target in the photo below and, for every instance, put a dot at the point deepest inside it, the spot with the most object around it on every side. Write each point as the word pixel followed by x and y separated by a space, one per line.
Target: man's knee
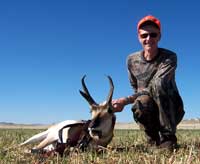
pixel 145 104
pixel 145 111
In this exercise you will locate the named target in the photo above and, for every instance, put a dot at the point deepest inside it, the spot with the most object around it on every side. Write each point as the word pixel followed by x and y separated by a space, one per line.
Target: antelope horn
pixel 85 93
pixel 109 98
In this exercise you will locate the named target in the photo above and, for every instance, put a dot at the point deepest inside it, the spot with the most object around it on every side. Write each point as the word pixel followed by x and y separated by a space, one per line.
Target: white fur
pixel 51 135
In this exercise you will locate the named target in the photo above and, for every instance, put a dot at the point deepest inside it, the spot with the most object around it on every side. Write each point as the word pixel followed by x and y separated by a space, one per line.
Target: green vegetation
pixel 127 147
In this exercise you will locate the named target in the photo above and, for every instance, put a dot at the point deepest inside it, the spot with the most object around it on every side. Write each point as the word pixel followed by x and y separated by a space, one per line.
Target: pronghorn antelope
pixel 94 133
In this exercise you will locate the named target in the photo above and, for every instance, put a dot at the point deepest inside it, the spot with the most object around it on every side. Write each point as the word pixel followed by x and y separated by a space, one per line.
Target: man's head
pixel 149 32
pixel 149 20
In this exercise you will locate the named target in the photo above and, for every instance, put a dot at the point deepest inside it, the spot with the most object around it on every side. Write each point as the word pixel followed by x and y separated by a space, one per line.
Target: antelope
pixel 94 133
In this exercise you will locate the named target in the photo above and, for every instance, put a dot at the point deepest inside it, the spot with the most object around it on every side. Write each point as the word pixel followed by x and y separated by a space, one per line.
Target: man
pixel 157 105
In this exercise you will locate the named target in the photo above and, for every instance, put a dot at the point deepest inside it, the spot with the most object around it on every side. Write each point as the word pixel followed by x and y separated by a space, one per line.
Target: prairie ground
pixel 127 147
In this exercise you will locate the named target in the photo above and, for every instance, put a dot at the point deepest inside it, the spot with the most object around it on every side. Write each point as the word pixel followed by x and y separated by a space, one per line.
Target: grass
pixel 127 147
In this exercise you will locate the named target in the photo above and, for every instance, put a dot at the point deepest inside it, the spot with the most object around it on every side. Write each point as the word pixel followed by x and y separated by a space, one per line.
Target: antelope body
pixel 92 133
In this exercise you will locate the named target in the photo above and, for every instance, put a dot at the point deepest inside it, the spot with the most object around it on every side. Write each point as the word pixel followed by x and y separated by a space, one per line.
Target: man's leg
pixel 145 113
pixel 166 96
pixel 167 140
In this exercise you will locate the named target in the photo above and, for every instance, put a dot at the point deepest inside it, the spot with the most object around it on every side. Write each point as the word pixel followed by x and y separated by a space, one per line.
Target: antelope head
pixel 103 119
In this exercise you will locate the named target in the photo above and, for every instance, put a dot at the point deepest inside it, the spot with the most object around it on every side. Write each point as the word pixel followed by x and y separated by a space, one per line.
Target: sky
pixel 47 46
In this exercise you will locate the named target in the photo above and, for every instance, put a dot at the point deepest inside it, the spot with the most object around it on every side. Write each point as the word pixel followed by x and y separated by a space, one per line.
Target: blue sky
pixel 46 47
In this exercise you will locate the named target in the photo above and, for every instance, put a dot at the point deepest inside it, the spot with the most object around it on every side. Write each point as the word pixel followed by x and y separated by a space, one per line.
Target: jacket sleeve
pixel 132 78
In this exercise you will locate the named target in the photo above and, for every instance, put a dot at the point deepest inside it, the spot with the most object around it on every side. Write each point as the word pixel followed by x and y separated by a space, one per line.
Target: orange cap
pixel 151 19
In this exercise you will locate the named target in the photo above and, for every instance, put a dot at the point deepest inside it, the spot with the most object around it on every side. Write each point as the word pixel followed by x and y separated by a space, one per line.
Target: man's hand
pixel 118 104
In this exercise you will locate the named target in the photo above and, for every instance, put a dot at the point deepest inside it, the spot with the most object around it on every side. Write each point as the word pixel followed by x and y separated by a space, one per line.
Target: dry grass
pixel 128 146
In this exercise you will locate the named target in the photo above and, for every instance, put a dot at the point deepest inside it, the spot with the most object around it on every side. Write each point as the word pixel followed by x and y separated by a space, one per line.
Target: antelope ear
pixel 88 98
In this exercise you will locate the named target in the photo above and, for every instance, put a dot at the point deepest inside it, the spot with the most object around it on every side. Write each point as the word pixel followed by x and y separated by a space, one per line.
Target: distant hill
pixel 6 123
pixel 10 123
pixel 193 120
pixel 185 124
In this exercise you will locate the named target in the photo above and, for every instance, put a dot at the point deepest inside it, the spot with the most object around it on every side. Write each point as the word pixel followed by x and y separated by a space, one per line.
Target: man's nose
pixel 148 37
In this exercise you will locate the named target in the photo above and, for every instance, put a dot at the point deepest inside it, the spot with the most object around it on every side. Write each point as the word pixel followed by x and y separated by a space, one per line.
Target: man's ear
pixel 139 39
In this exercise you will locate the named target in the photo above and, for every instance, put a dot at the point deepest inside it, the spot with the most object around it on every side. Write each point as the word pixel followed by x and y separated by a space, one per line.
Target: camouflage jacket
pixel 157 77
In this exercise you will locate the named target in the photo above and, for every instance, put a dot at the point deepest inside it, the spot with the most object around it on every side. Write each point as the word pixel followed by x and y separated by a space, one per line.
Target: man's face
pixel 149 37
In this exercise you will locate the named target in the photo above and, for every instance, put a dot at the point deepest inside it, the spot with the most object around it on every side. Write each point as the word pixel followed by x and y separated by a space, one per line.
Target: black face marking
pixel 110 110
pixel 95 123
